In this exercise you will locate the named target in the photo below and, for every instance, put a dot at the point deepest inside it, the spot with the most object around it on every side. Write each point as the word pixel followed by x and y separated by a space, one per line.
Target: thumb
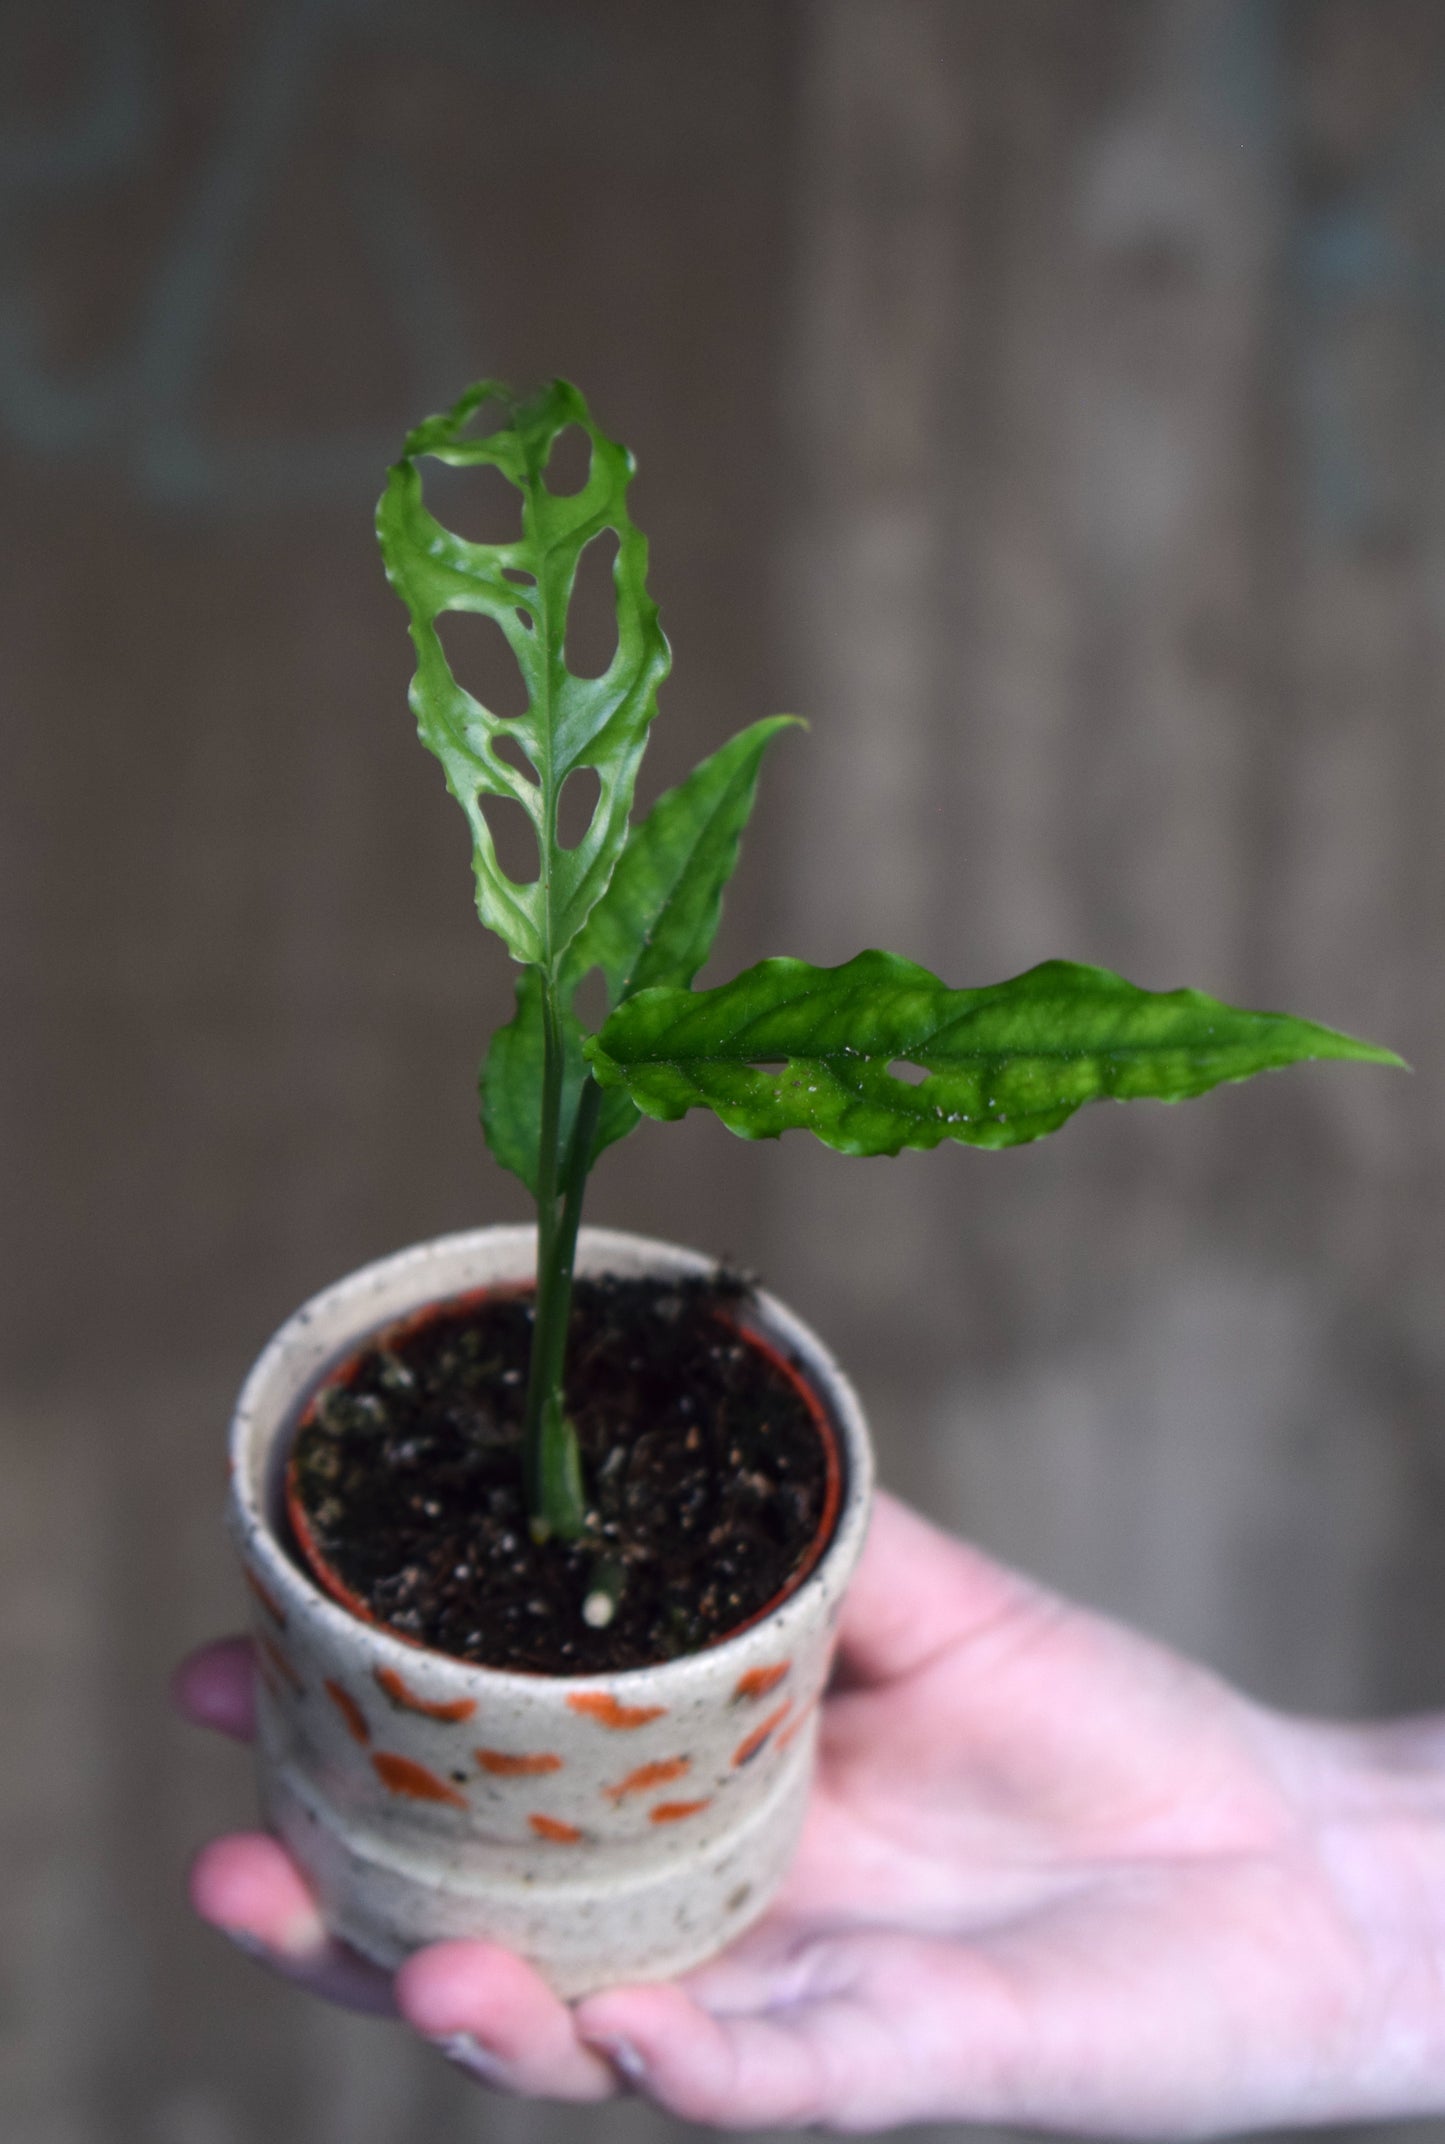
pixel 917 1590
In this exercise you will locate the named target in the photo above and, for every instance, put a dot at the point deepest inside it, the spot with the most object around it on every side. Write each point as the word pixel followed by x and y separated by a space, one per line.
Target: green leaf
pixel 510 1084
pixel 788 1046
pixel 526 587
pixel 654 926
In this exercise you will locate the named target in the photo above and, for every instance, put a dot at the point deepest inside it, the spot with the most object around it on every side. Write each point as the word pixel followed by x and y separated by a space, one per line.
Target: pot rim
pixel 291 1366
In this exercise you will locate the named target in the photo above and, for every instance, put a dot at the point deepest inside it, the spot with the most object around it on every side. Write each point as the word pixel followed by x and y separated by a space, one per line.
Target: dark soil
pixel 705 1472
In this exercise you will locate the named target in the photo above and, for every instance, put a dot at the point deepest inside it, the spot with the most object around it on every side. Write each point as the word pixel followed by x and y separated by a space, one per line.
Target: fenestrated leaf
pixel 570 722
pixel 788 1046
pixel 654 926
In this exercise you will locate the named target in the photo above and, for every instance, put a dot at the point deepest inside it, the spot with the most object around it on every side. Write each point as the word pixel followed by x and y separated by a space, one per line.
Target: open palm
pixel 1052 1874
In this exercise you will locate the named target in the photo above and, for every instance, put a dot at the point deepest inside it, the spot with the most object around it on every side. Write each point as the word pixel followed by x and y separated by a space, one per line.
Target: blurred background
pixel 1043 398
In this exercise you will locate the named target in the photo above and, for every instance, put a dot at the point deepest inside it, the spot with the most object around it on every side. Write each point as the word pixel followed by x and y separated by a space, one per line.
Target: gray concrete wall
pixel 1046 400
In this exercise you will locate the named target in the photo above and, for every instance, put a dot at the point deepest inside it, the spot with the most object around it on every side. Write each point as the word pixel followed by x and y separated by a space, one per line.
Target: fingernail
pixel 243 1940
pixel 296 1949
pixel 470 2055
pixel 624 2059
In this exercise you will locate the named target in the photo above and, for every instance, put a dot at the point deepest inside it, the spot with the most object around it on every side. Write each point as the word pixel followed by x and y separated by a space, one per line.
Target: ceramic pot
pixel 610 1828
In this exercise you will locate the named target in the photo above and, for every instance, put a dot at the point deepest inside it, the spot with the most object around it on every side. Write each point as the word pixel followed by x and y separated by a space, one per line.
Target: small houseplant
pixel 480 1568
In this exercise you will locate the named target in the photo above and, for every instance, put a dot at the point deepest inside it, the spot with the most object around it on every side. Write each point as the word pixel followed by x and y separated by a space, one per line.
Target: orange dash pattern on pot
pixel 660 1773
pixel 406 1700
pixel 503 1765
pixel 749 1747
pixel 755 1683
pixel 674 1812
pixel 548 1827
pixel 403 1775
pixel 350 1711
pixel 602 1706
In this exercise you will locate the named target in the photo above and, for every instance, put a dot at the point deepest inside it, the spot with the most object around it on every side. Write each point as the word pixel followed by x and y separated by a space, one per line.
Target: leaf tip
pixel 1355 1050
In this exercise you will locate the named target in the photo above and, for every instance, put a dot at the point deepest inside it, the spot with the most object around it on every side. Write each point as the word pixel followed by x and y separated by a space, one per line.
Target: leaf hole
pixel 520 576
pixel 591 640
pixel 569 465
pixel 525 618
pixel 513 837
pixel 576 805
pixel 493 413
pixel 481 661
pixel 912 1075
pixel 508 749
pixel 476 502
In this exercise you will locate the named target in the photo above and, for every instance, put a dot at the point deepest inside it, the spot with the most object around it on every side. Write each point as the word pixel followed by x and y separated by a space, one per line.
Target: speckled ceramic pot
pixel 610 1828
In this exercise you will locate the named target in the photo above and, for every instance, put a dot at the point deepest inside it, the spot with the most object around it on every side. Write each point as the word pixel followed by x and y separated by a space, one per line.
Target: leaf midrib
pixel 908 1051
pixel 669 898
pixel 547 772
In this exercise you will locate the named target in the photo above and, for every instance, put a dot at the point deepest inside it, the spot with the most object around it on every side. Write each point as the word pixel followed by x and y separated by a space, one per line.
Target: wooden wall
pixel 1045 399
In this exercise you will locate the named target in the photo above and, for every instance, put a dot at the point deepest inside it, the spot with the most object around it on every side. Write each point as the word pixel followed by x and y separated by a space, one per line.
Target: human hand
pixel 1052 1875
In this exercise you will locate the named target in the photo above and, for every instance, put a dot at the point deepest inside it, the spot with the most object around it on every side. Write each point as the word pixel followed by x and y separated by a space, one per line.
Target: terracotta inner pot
pixel 333 1584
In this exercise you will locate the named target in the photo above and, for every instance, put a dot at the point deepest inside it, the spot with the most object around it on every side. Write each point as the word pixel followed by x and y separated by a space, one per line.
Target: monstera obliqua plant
pixel 785 1046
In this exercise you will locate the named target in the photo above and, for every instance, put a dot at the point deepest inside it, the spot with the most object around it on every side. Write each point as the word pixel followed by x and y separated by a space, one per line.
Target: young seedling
pixel 785 1046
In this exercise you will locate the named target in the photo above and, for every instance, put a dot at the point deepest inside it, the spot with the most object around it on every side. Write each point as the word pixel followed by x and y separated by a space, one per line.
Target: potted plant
pixel 546 1530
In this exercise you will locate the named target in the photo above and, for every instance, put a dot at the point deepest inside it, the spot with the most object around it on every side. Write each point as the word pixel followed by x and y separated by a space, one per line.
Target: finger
pixel 854 2031
pixel 734 2072
pixel 490 2012
pixel 248 1887
pixel 916 1591
pixel 216 1687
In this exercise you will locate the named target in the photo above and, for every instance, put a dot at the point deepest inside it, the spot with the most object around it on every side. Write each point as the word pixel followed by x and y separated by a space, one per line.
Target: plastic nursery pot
pixel 610 1828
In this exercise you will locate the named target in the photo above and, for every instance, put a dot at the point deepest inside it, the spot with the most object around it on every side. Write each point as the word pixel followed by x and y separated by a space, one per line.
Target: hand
pixel 1052 1875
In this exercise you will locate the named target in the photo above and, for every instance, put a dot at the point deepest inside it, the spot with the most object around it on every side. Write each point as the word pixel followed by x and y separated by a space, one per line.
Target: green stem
pixel 574 1181
pixel 556 1500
